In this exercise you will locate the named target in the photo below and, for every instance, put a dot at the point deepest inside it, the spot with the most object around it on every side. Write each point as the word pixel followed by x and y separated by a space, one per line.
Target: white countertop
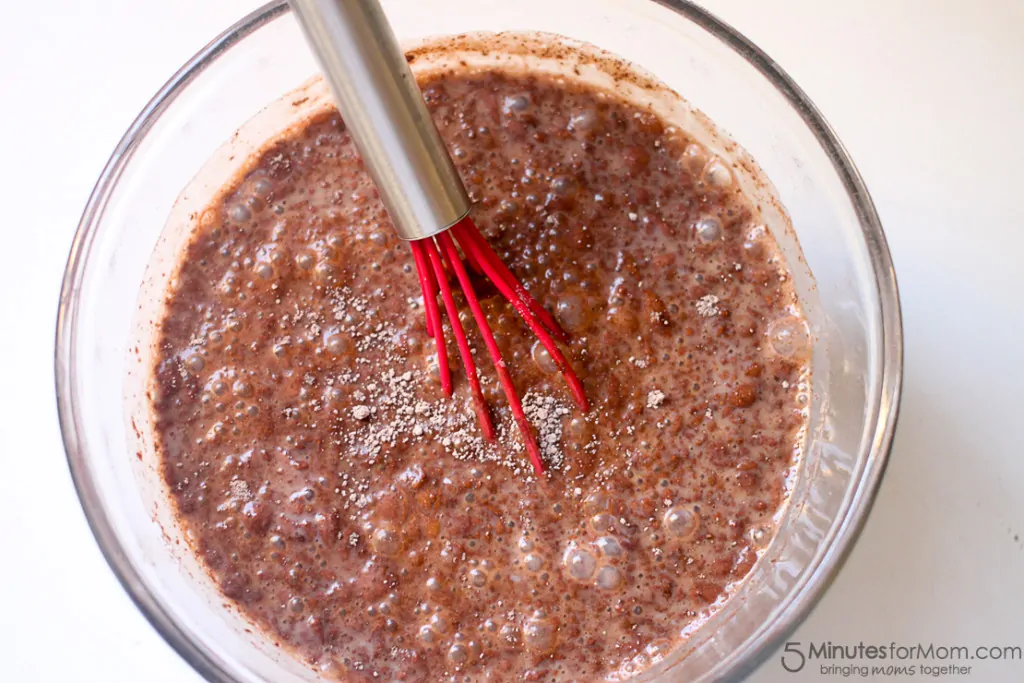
pixel 928 95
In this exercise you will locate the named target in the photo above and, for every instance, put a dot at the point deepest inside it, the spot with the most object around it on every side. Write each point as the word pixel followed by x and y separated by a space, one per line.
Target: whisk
pixel 383 108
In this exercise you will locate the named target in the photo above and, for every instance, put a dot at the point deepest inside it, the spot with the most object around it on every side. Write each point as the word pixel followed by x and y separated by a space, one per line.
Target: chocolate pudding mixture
pixel 356 514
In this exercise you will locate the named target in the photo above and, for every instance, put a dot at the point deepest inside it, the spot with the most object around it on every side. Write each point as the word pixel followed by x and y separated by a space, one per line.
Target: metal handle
pixel 382 106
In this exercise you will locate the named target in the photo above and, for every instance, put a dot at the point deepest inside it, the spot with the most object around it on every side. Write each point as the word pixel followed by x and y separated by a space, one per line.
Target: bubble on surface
pixel 262 187
pixel 477 578
pixel 570 311
pixel 508 208
pixel 194 362
pixel 440 623
pixel 339 344
pixel 609 546
pixel 386 541
pixel 608 577
pixel 324 271
pixel 263 271
pixel 239 213
pixel 708 229
pixel 717 174
pixel 332 670
pixel 540 633
pixel 788 336
pixel 681 522
pixel 579 563
pixel 533 562
pixel 543 359
pixel 516 103
pixel 229 283
pixel 595 502
pixel 563 186
pixel 694 158
pixel 458 654
pixel 602 522
pixel 427 635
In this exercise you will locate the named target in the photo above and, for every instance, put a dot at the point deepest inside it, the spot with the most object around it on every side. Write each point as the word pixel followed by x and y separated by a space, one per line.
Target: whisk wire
pixel 471 245
pixel 467 232
pixel 483 415
pixel 454 263
pixel 437 256
pixel 428 284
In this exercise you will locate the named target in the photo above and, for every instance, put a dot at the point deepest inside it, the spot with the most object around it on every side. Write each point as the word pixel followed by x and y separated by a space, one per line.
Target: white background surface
pixel 928 95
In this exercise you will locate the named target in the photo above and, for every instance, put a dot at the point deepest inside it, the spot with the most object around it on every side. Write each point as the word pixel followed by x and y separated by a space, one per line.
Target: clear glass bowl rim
pixel 884 404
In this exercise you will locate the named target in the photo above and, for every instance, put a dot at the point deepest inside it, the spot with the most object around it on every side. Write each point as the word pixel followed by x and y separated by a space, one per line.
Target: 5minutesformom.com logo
pixel 863 659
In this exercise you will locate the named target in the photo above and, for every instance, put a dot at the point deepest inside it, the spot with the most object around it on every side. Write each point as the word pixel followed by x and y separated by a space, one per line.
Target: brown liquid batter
pixel 357 516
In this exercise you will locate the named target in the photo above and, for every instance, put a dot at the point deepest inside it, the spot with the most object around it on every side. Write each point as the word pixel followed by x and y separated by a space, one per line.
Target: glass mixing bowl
pixel 122 248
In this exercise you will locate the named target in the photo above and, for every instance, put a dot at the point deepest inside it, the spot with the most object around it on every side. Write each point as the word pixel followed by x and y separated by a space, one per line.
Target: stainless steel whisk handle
pixel 383 108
